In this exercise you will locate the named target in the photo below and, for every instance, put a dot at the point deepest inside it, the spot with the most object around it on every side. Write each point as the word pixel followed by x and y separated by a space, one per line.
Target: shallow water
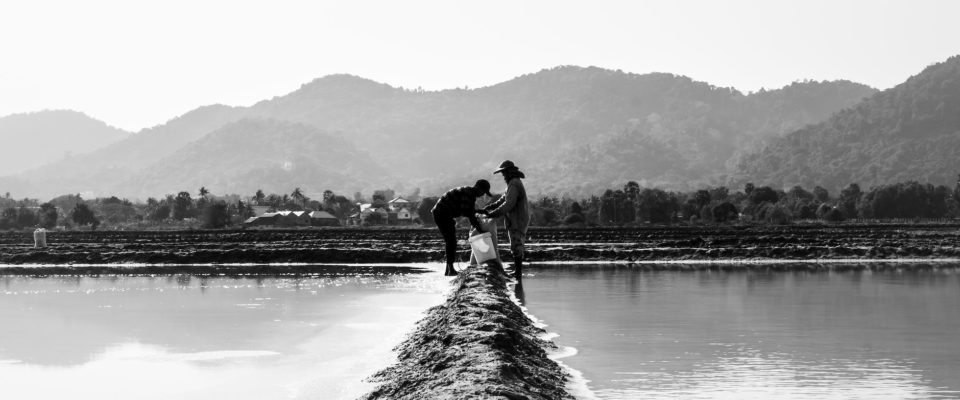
pixel 188 337
pixel 891 333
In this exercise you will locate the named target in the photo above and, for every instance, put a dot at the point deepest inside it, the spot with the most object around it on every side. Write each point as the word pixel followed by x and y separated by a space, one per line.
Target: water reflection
pixel 878 331
pixel 217 337
pixel 519 293
pixel 751 373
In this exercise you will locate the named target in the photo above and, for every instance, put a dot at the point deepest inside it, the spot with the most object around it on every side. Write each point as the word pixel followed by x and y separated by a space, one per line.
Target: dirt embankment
pixel 544 244
pixel 200 247
pixel 478 344
pixel 210 270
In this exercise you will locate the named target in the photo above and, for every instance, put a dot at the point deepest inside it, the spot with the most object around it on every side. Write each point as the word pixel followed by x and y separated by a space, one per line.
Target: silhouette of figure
pixel 457 202
pixel 514 206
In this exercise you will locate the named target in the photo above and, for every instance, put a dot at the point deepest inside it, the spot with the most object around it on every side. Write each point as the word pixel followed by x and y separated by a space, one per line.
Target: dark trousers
pixel 448 228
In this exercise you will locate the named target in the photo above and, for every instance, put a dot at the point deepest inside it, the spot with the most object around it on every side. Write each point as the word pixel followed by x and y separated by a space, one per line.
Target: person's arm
pixel 506 202
pixel 494 204
pixel 475 222
pixel 482 210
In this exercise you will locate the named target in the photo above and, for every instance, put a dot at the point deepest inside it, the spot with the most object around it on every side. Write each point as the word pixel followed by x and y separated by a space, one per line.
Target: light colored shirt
pixel 513 205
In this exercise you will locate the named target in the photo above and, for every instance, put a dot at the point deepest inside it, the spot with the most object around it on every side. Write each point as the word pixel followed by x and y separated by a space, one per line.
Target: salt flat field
pixel 190 337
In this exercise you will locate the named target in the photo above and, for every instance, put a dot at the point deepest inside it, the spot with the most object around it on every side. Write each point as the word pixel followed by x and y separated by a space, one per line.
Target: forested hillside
pixel 698 133
pixel 253 154
pixel 909 132
pixel 575 130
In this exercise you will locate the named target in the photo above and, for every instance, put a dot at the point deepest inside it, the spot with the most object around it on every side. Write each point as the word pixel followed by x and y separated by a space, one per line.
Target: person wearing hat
pixel 514 207
pixel 457 202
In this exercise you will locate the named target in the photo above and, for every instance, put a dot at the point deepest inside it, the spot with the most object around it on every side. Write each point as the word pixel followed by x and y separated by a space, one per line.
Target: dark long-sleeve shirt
pixel 459 202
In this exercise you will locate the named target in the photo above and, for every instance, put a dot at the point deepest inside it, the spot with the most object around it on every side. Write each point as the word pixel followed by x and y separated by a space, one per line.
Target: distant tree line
pixel 634 204
pixel 629 205
pixel 337 205
pixel 72 211
pixel 183 209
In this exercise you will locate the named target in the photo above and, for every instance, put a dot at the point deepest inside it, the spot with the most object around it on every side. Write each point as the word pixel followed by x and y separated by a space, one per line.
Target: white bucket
pixel 482 246
pixel 40 238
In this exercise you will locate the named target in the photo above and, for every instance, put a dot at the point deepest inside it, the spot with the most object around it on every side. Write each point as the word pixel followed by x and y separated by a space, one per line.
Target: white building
pixel 404 214
pixel 398 203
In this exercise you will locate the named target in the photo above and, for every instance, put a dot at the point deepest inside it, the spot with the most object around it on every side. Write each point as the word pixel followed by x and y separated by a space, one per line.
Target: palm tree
pixel 956 191
pixel 274 200
pixel 298 196
pixel 202 200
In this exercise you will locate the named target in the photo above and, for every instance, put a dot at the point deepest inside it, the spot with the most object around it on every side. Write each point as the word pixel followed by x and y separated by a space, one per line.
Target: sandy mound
pixel 478 344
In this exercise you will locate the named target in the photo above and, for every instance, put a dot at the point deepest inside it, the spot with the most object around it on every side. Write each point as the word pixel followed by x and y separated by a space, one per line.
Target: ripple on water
pixel 777 376
pixel 870 334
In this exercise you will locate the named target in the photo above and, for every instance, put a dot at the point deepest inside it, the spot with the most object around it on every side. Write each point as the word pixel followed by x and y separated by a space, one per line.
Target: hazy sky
pixel 135 64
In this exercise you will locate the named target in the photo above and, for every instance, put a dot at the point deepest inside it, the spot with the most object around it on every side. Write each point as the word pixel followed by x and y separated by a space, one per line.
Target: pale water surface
pixel 188 337
pixel 881 334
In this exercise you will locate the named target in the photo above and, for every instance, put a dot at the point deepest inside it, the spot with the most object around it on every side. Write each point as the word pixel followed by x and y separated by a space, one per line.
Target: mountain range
pixel 34 139
pixel 908 132
pixel 252 154
pixel 574 131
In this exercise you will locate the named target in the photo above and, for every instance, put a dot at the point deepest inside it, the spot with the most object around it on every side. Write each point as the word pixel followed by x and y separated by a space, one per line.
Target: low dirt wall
pixel 478 344
pixel 423 245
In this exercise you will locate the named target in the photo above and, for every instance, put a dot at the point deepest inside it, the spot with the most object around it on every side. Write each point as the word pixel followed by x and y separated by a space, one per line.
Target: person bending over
pixel 512 205
pixel 457 202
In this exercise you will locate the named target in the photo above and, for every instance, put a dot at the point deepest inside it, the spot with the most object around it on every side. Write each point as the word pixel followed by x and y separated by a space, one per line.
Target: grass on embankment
pixel 478 344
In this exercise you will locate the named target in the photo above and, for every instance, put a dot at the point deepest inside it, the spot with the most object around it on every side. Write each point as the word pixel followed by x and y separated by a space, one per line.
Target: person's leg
pixel 448 228
pixel 517 239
